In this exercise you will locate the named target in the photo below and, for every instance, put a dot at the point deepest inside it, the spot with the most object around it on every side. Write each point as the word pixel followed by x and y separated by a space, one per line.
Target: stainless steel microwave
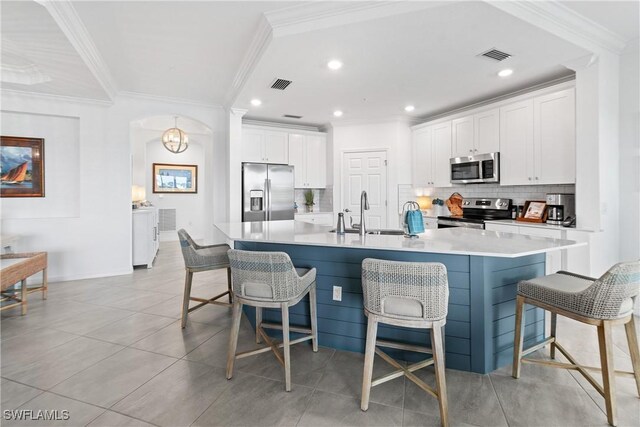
pixel 475 169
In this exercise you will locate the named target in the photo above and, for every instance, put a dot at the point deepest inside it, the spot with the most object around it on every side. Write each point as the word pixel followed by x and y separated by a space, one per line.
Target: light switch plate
pixel 337 293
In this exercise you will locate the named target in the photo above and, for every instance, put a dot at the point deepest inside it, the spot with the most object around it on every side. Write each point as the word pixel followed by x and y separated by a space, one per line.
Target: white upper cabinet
pixel 554 138
pixel 516 137
pixel 265 146
pixel 431 154
pixel 537 139
pixel 462 137
pixel 441 154
pixel 308 155
pixel 486 127
pixel 476 134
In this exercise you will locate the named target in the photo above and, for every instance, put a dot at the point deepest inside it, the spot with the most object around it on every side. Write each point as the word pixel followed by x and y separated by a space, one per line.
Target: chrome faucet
pixel 364 206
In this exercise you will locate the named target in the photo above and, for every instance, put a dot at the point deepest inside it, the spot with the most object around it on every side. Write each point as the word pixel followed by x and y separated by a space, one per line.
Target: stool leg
pixel 554 325
pixel 23 296
pixel 441 384
pixel 258 323
pixel 286 347
pixel 517 342
pixel 229 285
pixel 233 338
pixel 314 317
pixel 605 340
pixel 634 351
pixel 187 296
pixel 369 353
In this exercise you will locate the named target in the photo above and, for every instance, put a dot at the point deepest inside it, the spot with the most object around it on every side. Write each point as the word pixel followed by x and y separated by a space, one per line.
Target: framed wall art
pixel 170 178
pixel 21 167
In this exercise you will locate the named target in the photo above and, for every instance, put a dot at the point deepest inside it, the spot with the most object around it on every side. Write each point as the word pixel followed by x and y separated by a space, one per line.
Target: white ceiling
pixel 426 58
pixel 188 50
pixel 621 17
pixel 194 51
pixel 32 46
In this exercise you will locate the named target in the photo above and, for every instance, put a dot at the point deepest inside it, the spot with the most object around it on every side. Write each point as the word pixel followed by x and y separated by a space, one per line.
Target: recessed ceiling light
pixel 337 113
pixel 506 72
pixel 334 64
pixel 409 108
pixel 256 102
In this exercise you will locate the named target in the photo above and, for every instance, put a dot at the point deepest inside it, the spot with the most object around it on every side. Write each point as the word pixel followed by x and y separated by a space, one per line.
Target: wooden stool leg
pixel 229 285
pixel 45 283
pixel 23 296
pixel 258 323
pixel 605 340
pixel 187 295
pixel 634 351
pixel 517 342
pixel 233 338
pixel 286 347
pixel 441 384
pixel 314 317
pixel 554 325
pixel 369 353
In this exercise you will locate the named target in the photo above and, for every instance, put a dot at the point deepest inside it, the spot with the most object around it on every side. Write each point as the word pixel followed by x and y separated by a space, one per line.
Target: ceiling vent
pixel 496 55
pixel 291 116
pixel 280 84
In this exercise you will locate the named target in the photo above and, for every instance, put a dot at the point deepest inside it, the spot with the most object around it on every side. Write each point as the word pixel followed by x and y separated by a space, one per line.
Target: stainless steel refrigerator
pixel 267 192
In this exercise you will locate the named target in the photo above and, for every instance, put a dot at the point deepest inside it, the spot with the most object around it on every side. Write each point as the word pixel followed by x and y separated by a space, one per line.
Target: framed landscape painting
pixel 21 167
pixel 169 178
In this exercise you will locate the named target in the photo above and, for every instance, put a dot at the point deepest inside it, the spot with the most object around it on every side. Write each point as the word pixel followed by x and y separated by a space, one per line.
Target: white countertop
pixel 456 241
pixel 536 225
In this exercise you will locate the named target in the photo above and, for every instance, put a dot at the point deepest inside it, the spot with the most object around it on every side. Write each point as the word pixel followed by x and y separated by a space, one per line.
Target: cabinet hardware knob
pixel 529 178
pixel 537 178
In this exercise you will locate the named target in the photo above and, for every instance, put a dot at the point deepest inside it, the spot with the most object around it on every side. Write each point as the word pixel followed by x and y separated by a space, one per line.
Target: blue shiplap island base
pixel 481 320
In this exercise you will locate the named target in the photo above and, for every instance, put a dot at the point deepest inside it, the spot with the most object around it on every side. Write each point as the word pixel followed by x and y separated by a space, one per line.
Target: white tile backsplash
pixel 323 198
pixel 519 193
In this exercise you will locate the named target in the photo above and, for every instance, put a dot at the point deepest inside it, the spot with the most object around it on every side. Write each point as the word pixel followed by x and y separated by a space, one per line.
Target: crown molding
pixel 259 44
pixel 265 123
pixel 65 15
pixel 53 97
pixel 397 119
pixel 167 99
pixel 558 19
pixel 311 16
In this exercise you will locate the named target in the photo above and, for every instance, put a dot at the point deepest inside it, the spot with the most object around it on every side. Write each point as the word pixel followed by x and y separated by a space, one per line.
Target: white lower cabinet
pixel 320 218
pixel 553 259
pixel 145 235
pixel 430 223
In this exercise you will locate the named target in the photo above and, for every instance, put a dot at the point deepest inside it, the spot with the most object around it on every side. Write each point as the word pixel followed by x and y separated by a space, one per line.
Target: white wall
pixel 629 171
pixel 191 209
pixel 395 137
pixel 61 165
pixel 97 241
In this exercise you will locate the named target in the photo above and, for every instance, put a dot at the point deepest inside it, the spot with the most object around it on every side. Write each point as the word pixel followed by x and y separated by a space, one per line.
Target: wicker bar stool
pixel 269 280
pixel 407 294
pixel 602 302
pixel 202 258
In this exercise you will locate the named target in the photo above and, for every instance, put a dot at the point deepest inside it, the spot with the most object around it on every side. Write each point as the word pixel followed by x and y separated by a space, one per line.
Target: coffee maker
pixel 560 206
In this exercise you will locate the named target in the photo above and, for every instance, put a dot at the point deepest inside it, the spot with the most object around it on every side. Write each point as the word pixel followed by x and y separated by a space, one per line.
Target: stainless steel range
pixel 476 211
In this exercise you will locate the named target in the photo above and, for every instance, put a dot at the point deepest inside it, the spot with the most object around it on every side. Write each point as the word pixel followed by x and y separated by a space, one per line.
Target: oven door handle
pixel 461 224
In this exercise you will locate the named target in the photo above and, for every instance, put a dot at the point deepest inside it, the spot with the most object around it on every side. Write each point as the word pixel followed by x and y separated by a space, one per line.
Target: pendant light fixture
pixel 175 139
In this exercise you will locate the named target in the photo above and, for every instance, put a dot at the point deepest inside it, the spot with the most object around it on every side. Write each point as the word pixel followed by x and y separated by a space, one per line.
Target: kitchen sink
pixel 384 232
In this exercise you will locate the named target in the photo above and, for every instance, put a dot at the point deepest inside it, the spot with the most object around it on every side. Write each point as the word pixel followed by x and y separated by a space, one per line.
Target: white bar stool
pixel 602 302
pixel 412 295
pixel 269 280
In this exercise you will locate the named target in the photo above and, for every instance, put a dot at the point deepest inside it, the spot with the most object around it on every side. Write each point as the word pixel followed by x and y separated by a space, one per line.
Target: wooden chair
pixel 602 302
pixel 202 258
pixel 412 295
pixel 269 280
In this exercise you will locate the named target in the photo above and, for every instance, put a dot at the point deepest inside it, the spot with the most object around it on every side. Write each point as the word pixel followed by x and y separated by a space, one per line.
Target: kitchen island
pixel 483 268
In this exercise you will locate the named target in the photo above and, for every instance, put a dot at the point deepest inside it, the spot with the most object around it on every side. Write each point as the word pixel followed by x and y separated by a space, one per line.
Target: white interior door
pixel 365 171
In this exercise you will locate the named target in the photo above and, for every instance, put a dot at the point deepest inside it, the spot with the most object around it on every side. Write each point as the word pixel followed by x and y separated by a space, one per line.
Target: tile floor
pixel 112 353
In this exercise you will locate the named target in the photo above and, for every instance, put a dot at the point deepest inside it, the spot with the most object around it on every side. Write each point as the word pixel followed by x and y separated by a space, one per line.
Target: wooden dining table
pixel 17 267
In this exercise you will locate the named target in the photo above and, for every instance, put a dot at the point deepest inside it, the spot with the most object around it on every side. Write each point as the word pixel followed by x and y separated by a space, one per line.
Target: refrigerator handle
pixel 267 195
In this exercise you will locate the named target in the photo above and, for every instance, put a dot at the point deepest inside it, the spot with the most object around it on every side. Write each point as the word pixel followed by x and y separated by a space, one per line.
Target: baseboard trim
pixel 68 278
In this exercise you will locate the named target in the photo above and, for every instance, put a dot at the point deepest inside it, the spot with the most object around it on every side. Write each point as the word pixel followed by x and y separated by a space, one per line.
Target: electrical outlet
pixel 337 293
